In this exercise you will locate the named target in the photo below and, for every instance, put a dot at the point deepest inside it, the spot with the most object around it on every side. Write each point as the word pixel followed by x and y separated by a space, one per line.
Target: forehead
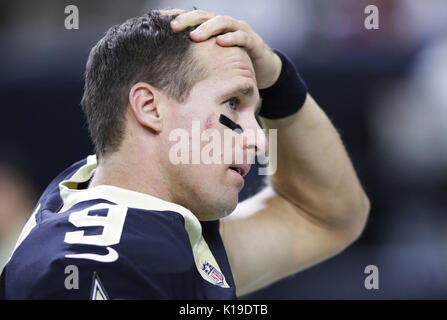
pixel 224 62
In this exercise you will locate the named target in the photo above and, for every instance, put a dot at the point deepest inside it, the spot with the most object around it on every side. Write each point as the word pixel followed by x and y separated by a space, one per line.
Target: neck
pixel 136 171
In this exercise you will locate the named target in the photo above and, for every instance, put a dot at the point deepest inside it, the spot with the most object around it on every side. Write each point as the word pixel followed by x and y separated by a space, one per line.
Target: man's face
pixel 211 190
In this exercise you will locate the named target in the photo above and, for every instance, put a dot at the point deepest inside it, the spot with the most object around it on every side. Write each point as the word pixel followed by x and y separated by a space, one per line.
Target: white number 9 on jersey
pixel 110 217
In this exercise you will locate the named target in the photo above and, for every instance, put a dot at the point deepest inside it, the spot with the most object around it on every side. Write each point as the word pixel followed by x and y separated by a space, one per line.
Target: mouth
pixel 241 169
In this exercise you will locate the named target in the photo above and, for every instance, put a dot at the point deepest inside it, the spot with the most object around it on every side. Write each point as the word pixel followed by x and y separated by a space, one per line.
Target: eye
pixel 232 103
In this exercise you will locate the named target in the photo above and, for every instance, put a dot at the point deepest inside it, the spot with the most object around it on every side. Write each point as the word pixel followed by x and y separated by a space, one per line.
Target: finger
pixel 191 19
pixel 215 26
pixel 238 38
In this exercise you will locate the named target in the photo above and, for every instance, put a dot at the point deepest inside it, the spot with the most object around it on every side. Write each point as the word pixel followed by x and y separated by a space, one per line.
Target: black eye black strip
pixel 230 124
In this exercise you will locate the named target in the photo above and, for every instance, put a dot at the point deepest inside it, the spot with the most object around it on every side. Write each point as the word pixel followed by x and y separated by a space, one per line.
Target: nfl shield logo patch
pixel 215 275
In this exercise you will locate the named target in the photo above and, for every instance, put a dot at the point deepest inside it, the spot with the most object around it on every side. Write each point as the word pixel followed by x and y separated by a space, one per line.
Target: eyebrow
pixel 246 90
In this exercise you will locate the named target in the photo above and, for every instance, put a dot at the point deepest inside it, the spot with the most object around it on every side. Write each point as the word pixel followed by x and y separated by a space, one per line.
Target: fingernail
pixel 174 23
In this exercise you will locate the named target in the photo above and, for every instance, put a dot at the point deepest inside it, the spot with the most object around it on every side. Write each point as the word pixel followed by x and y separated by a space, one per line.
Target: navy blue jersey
pixel 110 243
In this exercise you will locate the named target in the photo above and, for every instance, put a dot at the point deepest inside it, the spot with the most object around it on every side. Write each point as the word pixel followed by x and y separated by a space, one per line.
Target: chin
pixel 228 210
pixel 218 209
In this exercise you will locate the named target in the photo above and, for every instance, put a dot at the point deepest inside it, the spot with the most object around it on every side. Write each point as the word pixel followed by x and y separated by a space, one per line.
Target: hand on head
pixel 231 32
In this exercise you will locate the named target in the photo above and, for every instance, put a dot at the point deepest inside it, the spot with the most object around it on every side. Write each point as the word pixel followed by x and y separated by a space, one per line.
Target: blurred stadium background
pixel 385 91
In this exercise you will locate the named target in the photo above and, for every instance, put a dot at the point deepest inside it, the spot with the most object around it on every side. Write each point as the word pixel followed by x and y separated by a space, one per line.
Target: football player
pixel 128 223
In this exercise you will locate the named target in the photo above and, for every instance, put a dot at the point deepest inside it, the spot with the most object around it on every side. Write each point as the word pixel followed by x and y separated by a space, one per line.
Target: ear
pixel 145 105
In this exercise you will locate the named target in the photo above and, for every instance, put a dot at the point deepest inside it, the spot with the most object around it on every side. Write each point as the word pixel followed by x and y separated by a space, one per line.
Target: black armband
pixel 287 95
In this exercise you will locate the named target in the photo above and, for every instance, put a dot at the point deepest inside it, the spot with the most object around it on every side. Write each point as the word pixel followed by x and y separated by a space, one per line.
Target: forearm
pixel 313 169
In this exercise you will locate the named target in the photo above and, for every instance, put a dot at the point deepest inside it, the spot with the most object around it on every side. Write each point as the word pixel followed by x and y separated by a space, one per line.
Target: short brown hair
pixel 142 49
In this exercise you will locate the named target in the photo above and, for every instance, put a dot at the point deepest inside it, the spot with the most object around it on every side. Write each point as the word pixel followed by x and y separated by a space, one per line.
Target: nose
pixel 253 136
